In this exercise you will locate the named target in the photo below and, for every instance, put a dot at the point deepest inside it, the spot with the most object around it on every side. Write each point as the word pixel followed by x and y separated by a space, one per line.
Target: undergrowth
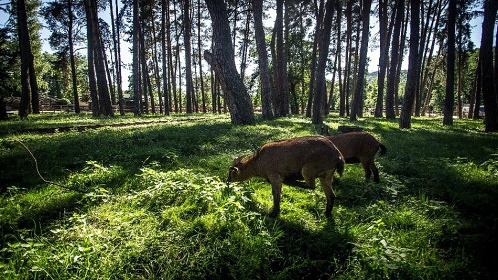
pixel 156 205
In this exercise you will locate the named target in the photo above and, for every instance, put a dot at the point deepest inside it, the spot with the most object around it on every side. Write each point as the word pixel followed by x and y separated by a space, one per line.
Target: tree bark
pixel 413 71
pixel 478 92
pixel 245 46
pixel 426 69
pixel 222 60
pixel 92 80
pixel 25 50
pixel 391 80
pixel 96 48
pixel 400 64
pixel 318 36
pixel 320 85
pixel 487 71
pixel 450 65
pixel 424 34
pixel 476 89
pixel 332 86
pixel 137 96
pixel 281 104
pixel 171 88
pixel 164 10
pixel 384 55
pixel 357 107
pixel 199 43
pixel 74 81
pixel 28 74
pixel 156 65
pixel 33 84
pixel 188 54
pixel 342 97
pixel 176 97
pixel 117 54
pixel 264 72
pixel 347 65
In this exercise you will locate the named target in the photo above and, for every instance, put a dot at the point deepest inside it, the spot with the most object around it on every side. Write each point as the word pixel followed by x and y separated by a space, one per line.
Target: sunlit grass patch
pixel 157 204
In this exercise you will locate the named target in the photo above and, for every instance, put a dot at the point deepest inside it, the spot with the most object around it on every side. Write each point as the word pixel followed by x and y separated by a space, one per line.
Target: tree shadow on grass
pixel 65 158
pixel 311 254
pixel 418 161
pixel 131 148
pixel 443 167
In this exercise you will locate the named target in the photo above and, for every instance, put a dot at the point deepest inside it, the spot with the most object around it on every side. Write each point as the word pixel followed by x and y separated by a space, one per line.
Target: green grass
pixel 157 206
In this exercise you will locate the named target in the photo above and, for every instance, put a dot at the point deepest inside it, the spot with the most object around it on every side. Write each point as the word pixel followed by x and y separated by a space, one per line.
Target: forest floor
pixel 154 203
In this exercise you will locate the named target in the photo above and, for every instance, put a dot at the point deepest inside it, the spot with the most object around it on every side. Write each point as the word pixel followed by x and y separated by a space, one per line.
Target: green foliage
pixel 156 205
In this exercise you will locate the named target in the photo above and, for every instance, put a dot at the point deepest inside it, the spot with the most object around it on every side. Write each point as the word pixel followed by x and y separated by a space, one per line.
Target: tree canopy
pixel 171 67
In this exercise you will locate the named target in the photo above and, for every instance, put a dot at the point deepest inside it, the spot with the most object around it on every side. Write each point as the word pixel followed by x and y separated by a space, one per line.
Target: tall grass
pixel 156 205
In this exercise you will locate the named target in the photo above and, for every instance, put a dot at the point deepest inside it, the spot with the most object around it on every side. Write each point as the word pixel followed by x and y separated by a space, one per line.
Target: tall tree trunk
pixel 199 43
pixel 424 34
pixel 156 66
pixel 117 54
pixel 29 60
pixel 318 36
pixel 25 50
pixel 188 54
pixel 301 100
pixel 164 10
pixel 146 19
pixel 235 20
pixel 347 72
pixel 33 84
pixel 285 62
pixel 223 62
pixel 100 71
pixel 171 66
pixel 476 89
pixel 92 79
pixel 426 69
pixel 356 60
pixel 487 71
pixel 214 93
pixel 357 107
pixel 384 55
pixel 96 46
pixel 137 96
pixel 332 86
pixel 391 80
pixel 74 81
pixel 178 64
pixel 413 71
pixel 320 86
pixel 460 83
pixel 176 53
pixel 145 85
pixel 496 60
pixel 450 65
pixel 281 105
pixel 264 72
pixel 400 64
pixel 342 96
pixel 428 95
pixel 109 75
pixel 245 46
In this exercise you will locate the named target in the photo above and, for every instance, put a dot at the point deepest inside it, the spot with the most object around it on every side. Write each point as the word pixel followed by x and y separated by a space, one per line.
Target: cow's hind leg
pixel 326 182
